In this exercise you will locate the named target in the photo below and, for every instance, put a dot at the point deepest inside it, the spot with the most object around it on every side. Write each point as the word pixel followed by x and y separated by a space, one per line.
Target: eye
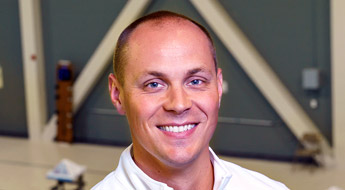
pixel 196 82
pixel 153 85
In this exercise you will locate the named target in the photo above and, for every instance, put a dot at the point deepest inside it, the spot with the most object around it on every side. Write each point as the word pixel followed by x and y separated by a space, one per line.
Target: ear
pixel 115 93
pixel 220 84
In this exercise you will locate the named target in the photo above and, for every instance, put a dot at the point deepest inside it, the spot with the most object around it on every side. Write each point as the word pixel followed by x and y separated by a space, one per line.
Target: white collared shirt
pixel 227 176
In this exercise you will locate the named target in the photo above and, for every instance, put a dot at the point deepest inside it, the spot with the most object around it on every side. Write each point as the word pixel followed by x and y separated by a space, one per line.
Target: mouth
pixel 177 128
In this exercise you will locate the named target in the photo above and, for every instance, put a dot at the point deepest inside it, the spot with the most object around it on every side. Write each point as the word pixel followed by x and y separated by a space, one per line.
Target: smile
pixel 177 129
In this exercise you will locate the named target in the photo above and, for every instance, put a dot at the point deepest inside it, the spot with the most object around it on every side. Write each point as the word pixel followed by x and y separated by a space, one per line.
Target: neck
pixel 198 174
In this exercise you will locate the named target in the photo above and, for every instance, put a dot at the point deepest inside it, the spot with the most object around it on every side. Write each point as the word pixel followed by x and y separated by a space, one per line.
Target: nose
pixel 177 101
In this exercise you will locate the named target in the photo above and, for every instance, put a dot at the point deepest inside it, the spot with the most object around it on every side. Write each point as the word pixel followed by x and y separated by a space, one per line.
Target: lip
pixel 180 135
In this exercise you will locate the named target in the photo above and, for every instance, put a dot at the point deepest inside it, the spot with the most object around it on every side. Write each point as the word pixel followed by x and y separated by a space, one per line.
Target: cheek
pixel 139 110
pixel 212 106
pixel 209 103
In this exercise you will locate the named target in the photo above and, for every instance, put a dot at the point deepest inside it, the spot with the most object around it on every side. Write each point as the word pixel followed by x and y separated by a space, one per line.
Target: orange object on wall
pixel 64 101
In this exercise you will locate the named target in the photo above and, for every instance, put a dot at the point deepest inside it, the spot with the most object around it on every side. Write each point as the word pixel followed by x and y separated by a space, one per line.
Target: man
pixel 168 85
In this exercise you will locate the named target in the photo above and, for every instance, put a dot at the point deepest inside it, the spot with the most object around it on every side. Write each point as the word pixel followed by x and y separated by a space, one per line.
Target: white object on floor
pixel 67 171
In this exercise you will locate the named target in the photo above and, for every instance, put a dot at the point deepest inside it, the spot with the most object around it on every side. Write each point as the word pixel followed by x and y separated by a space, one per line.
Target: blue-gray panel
pixel 72 31
pixel 12 102
pixel 292 35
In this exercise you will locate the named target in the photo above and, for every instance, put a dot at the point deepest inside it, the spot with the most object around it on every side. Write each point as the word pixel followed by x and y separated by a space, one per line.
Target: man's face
pixel 171 93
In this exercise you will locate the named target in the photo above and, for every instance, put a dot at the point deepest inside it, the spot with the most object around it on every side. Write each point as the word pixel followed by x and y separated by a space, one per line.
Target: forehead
pixel 166 29
pixel 158 38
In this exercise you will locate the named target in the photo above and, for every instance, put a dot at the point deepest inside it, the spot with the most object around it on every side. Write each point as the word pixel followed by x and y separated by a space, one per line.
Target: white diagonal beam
pixel 33 65
pixel 257 69
pixel 99 60
pixel 338 77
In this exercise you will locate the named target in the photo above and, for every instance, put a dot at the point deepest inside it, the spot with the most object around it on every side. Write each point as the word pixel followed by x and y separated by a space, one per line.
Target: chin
pixel 180 157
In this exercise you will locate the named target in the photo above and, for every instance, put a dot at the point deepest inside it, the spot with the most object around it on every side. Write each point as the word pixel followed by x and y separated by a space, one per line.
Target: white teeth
pixel 177 129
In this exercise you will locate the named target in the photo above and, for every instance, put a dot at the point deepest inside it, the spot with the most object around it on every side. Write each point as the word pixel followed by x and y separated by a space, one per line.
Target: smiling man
pixel 167 83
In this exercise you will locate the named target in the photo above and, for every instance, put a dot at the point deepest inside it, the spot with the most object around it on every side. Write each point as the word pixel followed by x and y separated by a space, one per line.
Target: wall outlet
pixel 1 78
pixel 311 79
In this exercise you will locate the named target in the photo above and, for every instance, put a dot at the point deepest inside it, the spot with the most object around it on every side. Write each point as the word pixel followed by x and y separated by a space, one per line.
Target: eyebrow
pixel 162 75
pixel 156 74
pixel 194 71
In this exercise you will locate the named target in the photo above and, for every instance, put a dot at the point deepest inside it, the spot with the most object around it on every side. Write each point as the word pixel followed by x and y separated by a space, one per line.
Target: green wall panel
pixel 12 102
pixel 72 31
pixel 292 35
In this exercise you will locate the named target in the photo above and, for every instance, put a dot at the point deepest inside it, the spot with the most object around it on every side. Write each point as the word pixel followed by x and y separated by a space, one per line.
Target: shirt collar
pixel 135 176
pixel 221 175
pixel 139 179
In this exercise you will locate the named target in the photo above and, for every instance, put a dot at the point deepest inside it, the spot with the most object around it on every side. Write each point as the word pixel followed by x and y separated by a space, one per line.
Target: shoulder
pixel 248 179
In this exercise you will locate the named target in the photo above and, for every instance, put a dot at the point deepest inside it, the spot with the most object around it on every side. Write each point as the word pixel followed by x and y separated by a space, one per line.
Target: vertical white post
pixel 33 65
pixel 338 76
